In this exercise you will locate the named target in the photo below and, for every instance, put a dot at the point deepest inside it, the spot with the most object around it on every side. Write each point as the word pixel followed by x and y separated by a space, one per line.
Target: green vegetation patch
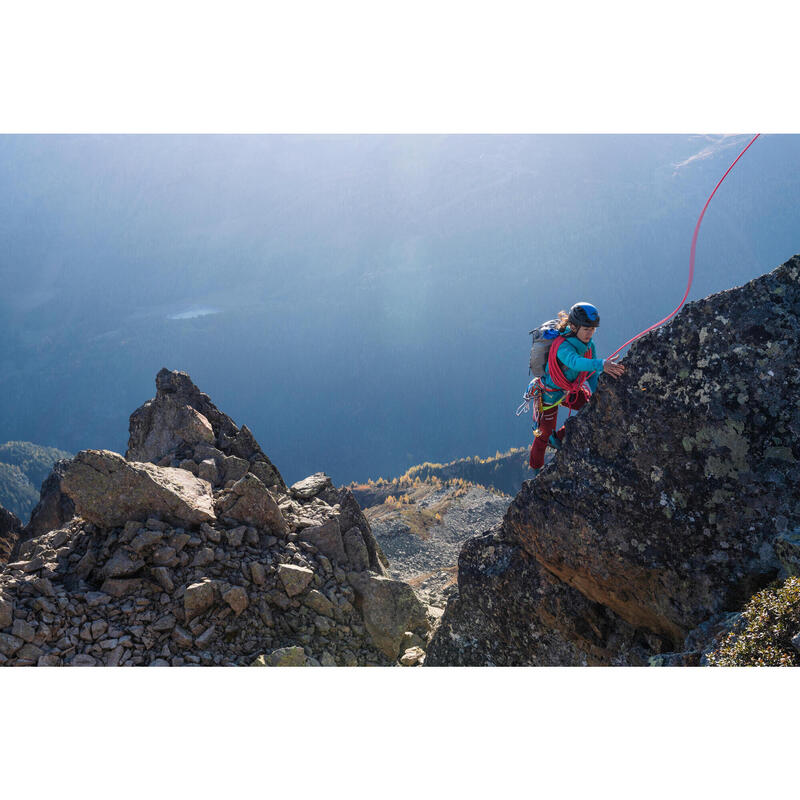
pixel 763 636
pixel 17 493
pixel 23 468
pixel 33 459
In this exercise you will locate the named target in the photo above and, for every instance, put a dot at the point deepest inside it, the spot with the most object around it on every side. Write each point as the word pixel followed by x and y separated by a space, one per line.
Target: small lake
pixel 195 312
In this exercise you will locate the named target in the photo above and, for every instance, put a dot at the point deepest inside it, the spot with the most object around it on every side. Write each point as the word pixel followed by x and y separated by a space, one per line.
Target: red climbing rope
pixel 557 375
pixel 691 255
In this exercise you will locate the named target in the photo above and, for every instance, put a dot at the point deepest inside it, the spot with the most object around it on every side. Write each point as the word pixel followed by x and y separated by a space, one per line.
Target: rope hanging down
pixel 691 255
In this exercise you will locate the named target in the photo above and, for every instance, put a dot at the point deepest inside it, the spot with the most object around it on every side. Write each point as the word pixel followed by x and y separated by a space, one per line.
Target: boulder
pixel 236 536
pixel 295 579
pixel 390 608
pixel 510 611
pixel 351 516
pixel 119 587
pixel 317 601
pixel 236 598
pixel 199 597
pixel 265 471
pixel 173 427
pixel 181 637
pixel 234 468
pixel 207 470
pixel 121 564
pixel 283 657
pixel 258 573
pixel 139 490
pixel 668 518
pixel 83 660
pixel 9 644
pixel 24 630
pixel 250 502
pixel 356 550
pixel 327 538
pixel 311 486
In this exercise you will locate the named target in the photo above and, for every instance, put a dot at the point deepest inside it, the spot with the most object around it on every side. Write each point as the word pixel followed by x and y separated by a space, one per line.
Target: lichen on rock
pixel 662 506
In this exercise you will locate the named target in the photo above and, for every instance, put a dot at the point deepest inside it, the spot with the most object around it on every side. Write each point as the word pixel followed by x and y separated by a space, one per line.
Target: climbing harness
pixel 534 394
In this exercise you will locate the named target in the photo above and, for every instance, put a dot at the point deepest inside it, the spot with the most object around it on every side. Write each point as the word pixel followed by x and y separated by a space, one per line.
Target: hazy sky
pixel 374 293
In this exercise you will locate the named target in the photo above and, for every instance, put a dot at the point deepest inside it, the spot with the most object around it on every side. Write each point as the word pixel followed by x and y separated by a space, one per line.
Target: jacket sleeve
pixel 568 357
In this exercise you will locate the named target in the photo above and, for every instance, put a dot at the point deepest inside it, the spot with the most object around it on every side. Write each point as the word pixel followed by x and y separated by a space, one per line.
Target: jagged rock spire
pixel 181 421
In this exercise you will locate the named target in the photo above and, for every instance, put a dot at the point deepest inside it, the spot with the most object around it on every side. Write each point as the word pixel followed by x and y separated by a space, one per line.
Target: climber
pixel 569 377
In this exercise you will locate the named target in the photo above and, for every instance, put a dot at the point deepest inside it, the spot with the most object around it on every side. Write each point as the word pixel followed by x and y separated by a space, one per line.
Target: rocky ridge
pixel 191 550
pixel 672 501
pixel 504 472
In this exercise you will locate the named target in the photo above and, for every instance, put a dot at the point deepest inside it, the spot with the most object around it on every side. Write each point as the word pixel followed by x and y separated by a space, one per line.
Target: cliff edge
pixel 672 501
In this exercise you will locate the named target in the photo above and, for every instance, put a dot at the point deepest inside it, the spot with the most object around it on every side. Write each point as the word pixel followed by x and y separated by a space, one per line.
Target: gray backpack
pixel 542 338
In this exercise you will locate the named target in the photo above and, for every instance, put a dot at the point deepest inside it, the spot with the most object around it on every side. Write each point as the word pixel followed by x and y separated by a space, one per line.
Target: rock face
pixel 663 509
pixel 135 563
pixel 10 527
pixel 181 422
pixel 54 507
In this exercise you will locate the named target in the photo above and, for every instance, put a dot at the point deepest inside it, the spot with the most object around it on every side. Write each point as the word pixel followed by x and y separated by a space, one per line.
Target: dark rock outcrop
pixel 662 511
pixel 54 508
pixel 511 612
pixel 10 526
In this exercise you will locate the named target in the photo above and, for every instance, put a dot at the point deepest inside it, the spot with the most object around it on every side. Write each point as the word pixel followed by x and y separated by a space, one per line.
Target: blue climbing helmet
pixel 584 315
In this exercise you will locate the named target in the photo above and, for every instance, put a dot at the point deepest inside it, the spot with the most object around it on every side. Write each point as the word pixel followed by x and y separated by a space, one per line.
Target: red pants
pixel 547 423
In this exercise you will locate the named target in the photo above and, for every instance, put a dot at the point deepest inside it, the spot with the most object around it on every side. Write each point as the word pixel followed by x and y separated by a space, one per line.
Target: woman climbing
pixel 569 377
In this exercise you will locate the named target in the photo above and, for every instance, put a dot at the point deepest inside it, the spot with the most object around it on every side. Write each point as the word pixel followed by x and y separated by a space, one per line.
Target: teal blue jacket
pixel 574 357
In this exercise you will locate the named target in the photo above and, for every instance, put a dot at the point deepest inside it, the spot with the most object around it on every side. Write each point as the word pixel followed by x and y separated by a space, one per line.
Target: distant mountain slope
pixel 23 468
pixel 422 518
pixel 504 472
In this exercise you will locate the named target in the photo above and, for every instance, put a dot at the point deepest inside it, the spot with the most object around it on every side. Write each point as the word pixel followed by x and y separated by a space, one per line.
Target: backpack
pixel 542 338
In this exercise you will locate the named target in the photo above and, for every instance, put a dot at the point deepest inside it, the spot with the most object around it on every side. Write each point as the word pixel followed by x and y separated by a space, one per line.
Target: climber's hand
pixel 612 368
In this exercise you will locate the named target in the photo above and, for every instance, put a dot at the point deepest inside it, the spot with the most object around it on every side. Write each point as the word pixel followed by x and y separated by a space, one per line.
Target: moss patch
pixel 762 638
